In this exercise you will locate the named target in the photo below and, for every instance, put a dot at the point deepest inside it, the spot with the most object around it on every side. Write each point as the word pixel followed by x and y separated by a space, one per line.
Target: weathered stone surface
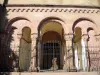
pixel 56 73
pixel 57 2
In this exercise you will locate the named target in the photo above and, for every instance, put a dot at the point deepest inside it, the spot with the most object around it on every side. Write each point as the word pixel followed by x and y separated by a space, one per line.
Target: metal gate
pixel 50 51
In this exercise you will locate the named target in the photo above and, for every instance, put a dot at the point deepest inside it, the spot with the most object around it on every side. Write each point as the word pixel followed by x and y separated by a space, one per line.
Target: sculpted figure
pixel 54 64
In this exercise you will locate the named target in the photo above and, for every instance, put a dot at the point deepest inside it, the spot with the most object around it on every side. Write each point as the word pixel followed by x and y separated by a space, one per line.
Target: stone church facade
pixel 33 33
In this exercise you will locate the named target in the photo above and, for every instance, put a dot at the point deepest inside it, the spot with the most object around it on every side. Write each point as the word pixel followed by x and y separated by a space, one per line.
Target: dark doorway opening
pixel 51 50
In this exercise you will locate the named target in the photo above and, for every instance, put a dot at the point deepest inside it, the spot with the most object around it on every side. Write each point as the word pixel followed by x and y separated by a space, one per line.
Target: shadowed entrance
pixel 51 36
pixel 51 47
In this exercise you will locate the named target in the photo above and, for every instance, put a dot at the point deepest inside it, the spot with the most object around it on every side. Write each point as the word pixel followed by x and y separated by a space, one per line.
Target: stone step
pixel 54 73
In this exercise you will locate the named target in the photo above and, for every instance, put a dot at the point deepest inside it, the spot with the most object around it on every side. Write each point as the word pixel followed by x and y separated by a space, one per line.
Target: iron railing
pixel 9 59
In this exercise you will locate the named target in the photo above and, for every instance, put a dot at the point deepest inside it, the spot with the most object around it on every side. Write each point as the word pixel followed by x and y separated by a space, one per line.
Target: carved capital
pixel 85 37
pixel 68 36
pixel 34 36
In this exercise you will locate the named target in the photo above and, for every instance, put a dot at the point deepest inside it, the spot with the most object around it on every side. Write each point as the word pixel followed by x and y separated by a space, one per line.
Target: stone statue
pixel 54 64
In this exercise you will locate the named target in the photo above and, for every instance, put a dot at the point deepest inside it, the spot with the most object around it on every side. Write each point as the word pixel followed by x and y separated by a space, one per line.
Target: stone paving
pixel 54 73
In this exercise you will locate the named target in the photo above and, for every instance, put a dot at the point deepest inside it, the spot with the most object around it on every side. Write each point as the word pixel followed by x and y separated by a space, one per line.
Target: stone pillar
pixel 85 46
pixel 68 58
pixel 18 42
pixel 33 53
pixel 39 53
pixel 17 51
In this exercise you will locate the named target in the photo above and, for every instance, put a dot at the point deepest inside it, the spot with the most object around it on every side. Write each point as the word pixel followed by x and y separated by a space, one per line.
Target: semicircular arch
pixel 79 20
pixel 14 20
pixel 84 23
pixel 49 19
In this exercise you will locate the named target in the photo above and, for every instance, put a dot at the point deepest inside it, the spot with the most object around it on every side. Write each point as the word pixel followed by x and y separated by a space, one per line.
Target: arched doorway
pixel 51 45
pixel 25 49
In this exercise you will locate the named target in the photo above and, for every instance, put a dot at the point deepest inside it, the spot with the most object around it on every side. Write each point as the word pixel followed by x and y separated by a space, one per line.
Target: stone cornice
pixel 43 5
pixel 53 8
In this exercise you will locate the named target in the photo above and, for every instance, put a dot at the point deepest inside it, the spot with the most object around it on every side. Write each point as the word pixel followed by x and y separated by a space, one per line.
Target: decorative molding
pixel 54 9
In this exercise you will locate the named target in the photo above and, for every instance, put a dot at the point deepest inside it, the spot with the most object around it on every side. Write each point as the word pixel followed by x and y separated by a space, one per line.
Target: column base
pixel 32 69
pixel 73 69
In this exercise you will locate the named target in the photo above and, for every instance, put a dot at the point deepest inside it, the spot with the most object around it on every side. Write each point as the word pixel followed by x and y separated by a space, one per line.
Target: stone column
pixel 68 58
pixel 33 53
pixel 39 53
pixel 85 40
pixel 18 42
pixel 17 51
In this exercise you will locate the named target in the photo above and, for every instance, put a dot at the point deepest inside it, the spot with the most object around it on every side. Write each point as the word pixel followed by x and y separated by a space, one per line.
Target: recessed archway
pixel 51 47
pixel 51 36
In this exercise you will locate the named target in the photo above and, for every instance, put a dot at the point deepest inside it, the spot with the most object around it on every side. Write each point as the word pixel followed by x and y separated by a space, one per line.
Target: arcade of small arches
pixel 52 39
